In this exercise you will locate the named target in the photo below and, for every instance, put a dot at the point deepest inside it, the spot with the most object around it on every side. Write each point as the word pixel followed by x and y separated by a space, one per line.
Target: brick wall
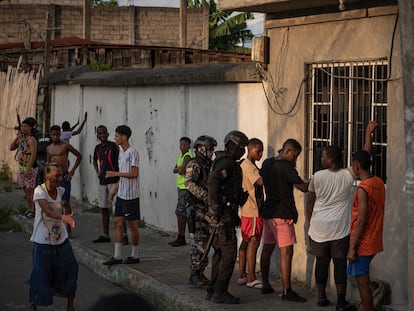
pixel 110 25
pixel 17 22
pixel 119 25
pixel 46 2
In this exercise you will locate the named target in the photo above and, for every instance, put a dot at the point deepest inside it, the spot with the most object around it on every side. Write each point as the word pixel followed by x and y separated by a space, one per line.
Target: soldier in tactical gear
pixel 225 195
pixel 196 177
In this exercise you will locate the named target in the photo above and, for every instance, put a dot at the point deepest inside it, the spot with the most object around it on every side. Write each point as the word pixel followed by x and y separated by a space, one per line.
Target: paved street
pixel 15 262
pixel 161 277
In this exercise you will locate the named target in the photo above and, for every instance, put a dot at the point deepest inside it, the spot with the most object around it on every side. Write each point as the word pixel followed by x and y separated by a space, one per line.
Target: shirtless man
pixel 58 152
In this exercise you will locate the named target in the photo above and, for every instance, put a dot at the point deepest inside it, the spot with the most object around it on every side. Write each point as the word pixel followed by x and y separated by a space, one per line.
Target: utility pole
pixel 206 19
pixel 47 42
pixel 87 19
pixel 183 23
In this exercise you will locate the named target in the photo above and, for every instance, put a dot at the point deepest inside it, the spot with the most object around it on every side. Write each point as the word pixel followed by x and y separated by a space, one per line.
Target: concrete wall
pixel 407 59
pixel 57 2
pixel 348 36
pixel 158 116
pixel 117 25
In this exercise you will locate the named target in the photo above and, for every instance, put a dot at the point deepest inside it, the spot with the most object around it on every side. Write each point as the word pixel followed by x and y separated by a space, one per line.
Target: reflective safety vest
pixel 181 178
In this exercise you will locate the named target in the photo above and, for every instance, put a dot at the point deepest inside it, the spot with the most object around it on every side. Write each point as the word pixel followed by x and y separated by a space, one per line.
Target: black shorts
pixel 330 249
pixel 127 208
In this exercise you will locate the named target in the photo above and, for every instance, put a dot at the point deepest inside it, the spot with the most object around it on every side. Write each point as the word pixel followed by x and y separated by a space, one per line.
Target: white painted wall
pixel 158 117
pixel 349 36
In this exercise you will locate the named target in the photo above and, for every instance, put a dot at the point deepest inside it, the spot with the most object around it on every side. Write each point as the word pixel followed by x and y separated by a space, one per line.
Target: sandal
pixel 254 284
pixel 242 281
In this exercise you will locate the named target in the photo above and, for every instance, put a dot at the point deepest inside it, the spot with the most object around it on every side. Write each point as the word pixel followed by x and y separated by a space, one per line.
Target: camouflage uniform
pixel 196 182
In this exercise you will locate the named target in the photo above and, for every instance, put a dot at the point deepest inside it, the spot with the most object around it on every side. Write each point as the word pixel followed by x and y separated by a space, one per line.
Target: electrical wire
pixel 279 92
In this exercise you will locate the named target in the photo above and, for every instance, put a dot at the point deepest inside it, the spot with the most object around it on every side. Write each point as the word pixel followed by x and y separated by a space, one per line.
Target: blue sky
pixel 256 25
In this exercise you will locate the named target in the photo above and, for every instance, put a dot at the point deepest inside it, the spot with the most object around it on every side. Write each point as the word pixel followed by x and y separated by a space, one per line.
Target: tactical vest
pixel 232 186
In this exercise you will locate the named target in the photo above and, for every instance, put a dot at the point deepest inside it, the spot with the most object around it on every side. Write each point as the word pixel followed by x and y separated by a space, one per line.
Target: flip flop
pixel 254 284
pixel 242 281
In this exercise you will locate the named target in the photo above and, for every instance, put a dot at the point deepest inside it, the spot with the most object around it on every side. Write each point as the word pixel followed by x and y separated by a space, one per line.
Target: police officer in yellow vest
pixel 183 193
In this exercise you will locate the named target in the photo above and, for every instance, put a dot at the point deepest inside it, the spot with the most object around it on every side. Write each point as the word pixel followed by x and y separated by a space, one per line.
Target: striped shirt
pixel 128 187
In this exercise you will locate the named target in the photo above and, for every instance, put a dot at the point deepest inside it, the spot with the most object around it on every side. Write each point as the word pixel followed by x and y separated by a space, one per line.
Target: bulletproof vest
pixel 205 169
pixel 232 186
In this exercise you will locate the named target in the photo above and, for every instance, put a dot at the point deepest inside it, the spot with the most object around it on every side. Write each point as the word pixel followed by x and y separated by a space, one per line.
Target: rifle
pixel 213 231
pixel 19 127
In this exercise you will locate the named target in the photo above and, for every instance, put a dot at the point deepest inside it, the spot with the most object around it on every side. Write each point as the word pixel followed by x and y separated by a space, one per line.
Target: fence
pixel 18 93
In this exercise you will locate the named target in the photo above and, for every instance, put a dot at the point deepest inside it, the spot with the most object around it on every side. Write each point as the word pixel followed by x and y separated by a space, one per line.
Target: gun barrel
pixel 209 244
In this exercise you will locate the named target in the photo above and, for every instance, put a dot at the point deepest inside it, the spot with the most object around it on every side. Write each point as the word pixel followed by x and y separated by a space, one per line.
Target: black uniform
pixel 225 192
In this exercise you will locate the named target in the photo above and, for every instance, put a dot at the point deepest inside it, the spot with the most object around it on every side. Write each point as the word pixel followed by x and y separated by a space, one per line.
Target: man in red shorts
pixel 251 223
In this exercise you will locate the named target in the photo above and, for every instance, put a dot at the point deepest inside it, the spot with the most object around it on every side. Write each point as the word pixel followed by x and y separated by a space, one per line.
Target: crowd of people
pixel 218 196
pixel 218 191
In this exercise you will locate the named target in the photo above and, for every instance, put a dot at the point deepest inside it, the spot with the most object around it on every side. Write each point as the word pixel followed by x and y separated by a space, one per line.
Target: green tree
pixel 104 2
pixel 227 30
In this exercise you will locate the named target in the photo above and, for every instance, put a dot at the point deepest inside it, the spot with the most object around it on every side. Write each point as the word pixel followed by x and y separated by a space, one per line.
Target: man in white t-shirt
pixel 55 269
pixel 328 213
pixel 127 200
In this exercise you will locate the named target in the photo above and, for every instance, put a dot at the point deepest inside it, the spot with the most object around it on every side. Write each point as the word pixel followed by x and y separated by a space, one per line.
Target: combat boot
pixel 196 279
pixel 203 277
pixel 225 298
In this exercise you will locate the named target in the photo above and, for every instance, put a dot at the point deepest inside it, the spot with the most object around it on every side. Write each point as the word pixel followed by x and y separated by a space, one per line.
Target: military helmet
pixel 237 137
pixel 205 140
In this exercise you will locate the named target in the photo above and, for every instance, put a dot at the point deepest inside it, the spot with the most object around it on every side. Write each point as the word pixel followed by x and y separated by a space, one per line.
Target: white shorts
pixel 103 192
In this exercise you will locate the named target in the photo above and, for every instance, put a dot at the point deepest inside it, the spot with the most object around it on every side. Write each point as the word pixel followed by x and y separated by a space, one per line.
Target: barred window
pixel 342 99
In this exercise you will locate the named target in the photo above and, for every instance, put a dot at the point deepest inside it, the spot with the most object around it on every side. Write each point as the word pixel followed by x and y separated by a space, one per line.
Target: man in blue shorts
pixel 366 226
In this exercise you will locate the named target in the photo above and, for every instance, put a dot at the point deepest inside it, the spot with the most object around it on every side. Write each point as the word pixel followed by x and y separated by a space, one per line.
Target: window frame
pixel 378 99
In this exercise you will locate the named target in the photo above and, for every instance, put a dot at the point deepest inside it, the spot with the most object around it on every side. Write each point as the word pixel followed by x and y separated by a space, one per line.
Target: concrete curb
pixel 160 295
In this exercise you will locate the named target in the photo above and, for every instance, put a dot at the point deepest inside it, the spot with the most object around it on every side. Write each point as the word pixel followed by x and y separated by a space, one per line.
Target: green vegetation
pixel 92 209
pixel 21 209
pixel 104 2
pixel 8 188
pixel 99 66
pixel 227 30
pixel 6 221
pixel 5 172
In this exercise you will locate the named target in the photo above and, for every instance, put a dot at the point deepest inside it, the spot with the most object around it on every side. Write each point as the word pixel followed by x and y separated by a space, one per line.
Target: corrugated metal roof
pixel 180 75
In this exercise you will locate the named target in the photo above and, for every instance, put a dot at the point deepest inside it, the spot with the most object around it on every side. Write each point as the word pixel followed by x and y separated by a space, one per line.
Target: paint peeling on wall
pixel 149 143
